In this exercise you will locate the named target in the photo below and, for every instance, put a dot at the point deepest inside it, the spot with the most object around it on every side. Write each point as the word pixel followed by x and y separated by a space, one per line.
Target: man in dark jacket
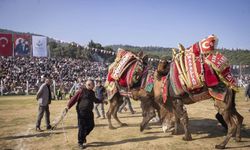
pixel 100 92
pixel 44 99
pixel 247 92
pixel 85 98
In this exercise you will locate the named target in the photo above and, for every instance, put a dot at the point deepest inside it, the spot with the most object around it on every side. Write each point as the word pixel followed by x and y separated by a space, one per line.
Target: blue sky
pixel 135 22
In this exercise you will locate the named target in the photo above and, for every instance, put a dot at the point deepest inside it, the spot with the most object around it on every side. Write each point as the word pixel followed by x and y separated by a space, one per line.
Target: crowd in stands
pixel 16 73
pixel 243 80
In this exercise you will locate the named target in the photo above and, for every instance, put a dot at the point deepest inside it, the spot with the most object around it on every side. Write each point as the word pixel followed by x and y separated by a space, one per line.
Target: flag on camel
pixel 6 44
pixel 39 45
pixel 22 44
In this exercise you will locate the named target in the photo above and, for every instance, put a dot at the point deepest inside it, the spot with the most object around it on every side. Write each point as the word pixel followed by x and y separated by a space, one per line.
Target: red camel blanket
pixel 198 66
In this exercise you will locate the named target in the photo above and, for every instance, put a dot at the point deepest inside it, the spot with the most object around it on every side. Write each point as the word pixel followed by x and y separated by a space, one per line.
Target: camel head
pixel 139 94
pixel 147 102
pixel 143 57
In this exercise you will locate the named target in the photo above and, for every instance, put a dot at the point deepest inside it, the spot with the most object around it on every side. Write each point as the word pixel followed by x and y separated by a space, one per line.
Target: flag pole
pixel 13 45
pixel 48 48
pixel 240 71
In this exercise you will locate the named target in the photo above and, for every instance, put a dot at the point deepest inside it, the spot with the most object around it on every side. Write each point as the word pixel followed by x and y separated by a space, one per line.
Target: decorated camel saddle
pixel 125 72
pixel 199 66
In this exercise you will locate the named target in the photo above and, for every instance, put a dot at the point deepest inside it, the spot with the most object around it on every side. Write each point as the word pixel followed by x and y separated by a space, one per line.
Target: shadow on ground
pixel 210 127
pixel 131 116
pixel 131 140
pixel 40 134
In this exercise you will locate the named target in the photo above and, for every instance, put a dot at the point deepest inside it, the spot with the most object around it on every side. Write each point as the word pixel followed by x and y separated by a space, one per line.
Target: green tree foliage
pixel 73 50
pixel 236 57
pixel 151 51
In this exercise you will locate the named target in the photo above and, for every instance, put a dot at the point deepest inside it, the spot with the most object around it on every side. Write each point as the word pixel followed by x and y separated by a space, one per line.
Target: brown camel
pixel 114 106
pixel 175 111
pixel 151 101
pixel 117 100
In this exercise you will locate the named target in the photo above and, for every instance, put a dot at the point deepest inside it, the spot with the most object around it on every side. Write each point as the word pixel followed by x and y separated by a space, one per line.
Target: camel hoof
pixel 148 128
pixel 112 128
pixel 187 138
pixel 124 125
pixel 237 139
pixel 219 147
pixel 175 132
pixel 141 129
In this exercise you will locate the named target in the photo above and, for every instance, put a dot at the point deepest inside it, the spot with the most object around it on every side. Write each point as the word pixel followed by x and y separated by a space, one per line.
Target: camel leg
pixel 176 125
pixel 157 107
pixel 181 114
pixel 148 112
pixel 239 121
pixel 116 108
pixel 112 106
pixel 228 111
pixel 219 117
pixel 228 117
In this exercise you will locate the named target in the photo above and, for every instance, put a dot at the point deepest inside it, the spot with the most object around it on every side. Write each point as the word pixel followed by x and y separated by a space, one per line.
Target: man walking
pixel 84 98
pixel 247 92
pixel 100 90
pixel 126 101
pixel 44 99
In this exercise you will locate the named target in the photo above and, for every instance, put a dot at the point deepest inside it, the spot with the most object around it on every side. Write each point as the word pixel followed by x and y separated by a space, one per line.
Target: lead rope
pixel 64 133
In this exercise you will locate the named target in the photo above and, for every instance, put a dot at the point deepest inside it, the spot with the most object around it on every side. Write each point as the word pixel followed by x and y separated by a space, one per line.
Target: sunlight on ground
pixel 18 116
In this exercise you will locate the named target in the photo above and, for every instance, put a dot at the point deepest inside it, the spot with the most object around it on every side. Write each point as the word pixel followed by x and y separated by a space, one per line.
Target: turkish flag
pixel 22 44
pixel 6 44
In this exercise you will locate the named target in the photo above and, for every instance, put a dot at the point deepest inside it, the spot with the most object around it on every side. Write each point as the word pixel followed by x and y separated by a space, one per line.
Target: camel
pixel 117 100
pixel 174 112
pixel 152 101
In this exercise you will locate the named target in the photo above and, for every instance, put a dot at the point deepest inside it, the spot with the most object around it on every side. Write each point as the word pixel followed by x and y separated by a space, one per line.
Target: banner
pixel 22 44
pixel 39 44
pixel 6 44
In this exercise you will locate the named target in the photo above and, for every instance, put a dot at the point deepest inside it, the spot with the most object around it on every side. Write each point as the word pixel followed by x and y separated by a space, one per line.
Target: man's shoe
pixel 49 127
pixel 81 146
pixel 125 109
pixel 98 117
pixel 38 129
pixel 84 141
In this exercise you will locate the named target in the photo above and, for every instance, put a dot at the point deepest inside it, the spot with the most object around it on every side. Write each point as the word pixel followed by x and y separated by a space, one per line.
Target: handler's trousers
pixel 125 102
pixel 41 111
pixel 85 124
pixel 102 109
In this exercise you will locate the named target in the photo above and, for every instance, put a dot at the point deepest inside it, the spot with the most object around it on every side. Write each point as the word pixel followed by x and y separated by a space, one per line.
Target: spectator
pixel 44 99
pixel 59 94
pixel 16 71
pixel 126 101
pixel 100 91
pixel 247 92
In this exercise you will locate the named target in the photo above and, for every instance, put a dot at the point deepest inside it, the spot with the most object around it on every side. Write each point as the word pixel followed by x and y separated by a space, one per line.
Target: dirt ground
pixel 18 116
